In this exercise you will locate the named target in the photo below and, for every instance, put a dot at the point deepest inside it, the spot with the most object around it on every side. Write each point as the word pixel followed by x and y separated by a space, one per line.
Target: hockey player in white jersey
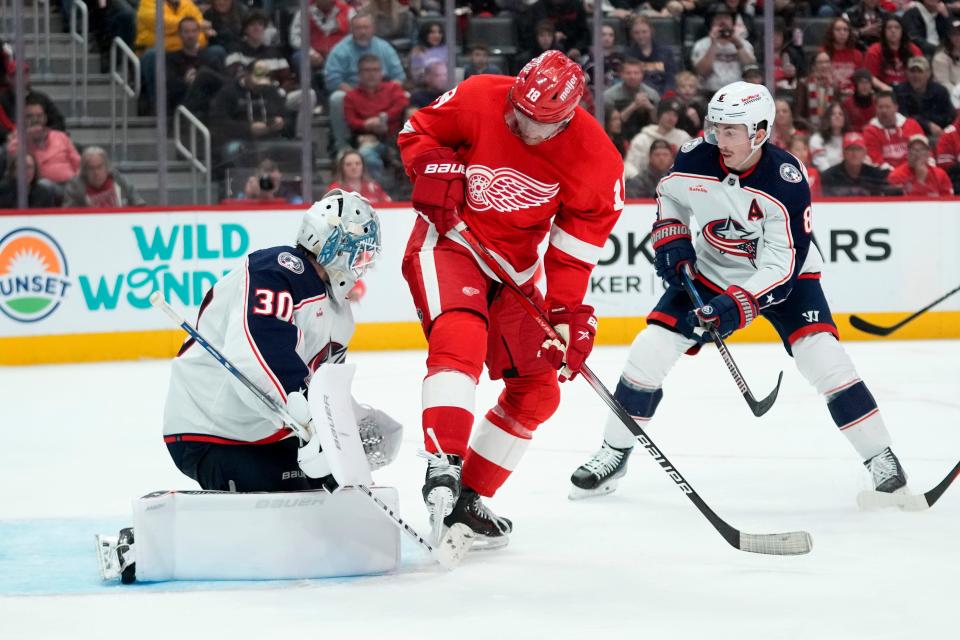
pixel 753 258
pixel 276 318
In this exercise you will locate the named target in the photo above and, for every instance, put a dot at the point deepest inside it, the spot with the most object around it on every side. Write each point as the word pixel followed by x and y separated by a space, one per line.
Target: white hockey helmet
pixel 343 231
pixel 741 103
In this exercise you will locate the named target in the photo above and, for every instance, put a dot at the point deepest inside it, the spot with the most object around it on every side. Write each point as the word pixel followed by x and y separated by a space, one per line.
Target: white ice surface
pixel 81 441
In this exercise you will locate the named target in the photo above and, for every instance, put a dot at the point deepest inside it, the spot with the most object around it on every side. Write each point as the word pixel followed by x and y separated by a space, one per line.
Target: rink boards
pixel 74 285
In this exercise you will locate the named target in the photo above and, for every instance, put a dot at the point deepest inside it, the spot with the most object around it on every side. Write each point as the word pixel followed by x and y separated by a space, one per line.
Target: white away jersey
pixel 755 228
pixel 274 320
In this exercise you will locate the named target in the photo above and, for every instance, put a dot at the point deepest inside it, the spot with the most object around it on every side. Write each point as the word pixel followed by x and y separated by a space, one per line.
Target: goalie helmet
pixel 741 103
pixel 343 231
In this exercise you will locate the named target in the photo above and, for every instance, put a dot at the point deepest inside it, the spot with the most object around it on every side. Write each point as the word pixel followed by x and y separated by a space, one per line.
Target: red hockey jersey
pixel 570 186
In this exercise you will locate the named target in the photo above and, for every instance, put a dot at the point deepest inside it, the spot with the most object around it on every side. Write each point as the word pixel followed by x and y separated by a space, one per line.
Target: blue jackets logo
pixel 33 275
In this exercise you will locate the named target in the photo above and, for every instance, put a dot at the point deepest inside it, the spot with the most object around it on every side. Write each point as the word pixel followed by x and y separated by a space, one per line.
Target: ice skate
pixel 441 488
pixel 600 474
pixel 490 530
pixel 890 485
pixel 116 557
pixel 887 474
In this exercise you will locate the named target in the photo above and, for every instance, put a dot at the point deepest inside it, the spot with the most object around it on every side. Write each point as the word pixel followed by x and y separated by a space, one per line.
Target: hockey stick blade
pixel 795 543
pixel 868 327
pixel 761 407
pixel 872 500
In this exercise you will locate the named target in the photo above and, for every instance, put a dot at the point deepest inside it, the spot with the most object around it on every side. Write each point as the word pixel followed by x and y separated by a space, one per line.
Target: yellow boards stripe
pixel 131 345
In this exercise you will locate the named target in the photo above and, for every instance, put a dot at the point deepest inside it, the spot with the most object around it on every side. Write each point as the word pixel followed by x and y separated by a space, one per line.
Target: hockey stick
pixel 869 327
pixel 908 502
pixel 758 408
pixel 781 544
pixel 448 552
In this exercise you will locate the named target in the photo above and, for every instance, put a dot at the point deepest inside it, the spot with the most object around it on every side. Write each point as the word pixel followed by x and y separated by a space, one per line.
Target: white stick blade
pixel 454 546
pixel 874 500
pixel 794 543
pixel 107 558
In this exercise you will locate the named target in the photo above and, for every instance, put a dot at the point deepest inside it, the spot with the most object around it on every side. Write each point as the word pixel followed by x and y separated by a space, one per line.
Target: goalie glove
pixel 310 456
pixel 380 435
pixel 578 329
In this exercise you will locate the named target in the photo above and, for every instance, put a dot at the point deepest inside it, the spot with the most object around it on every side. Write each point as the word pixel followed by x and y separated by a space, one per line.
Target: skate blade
pixel 455 544
pixel 901 499
pixel 439 505
pixel 576 493
pixel 485 543
pixel 107 558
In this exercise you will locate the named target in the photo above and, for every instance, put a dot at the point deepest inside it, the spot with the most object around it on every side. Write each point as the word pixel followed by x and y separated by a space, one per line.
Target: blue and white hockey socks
pixel 653 353
pixel 825 364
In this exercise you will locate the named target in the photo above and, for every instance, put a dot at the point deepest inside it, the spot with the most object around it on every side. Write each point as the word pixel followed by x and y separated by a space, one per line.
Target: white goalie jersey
pixel 274 320
pixel 755 228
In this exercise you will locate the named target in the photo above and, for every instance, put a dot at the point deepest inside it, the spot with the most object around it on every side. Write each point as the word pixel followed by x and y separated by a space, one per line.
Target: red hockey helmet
pixel 548 88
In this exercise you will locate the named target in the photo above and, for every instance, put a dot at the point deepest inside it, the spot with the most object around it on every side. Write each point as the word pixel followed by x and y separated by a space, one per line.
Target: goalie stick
pixel 451 548
pixel 758 407
pixel 869 327
pixel 782 544
pixel 869 500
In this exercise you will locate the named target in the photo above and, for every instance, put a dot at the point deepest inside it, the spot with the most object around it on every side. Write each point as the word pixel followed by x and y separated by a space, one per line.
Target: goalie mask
pixel 343 231
pixel 741 103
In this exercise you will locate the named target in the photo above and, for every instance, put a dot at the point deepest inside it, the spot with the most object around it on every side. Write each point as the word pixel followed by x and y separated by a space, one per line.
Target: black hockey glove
pixel 727 312
pixel 673 248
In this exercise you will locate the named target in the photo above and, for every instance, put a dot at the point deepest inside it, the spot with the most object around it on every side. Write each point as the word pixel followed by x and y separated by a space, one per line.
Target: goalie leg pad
pixel 199 535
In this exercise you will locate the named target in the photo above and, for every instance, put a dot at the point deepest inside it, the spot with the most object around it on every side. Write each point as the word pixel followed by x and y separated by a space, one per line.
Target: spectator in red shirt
pixel 917 176
pixel 887 59
pixel 948 153
pixel 861 107
pixel 887 134
pixel 350 174
pixel 57 159
pixel 839 44
pixel 373 110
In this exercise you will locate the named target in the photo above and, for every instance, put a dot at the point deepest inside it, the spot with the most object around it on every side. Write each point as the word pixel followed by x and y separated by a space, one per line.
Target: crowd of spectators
pixel 866 91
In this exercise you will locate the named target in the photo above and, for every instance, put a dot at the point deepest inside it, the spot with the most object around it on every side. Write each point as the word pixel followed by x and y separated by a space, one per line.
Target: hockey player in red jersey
pixel 516 160
pixel 754 257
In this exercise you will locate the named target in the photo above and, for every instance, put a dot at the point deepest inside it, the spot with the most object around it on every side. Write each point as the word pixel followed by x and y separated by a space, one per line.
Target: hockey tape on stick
pixel 791 543
pixel 452 547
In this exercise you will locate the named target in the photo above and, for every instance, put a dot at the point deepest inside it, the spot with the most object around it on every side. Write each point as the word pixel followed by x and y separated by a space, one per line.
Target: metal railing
pixel 43 62
pixel 121 77
pixel 78 14
pixel 190 153
pixel 41 54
